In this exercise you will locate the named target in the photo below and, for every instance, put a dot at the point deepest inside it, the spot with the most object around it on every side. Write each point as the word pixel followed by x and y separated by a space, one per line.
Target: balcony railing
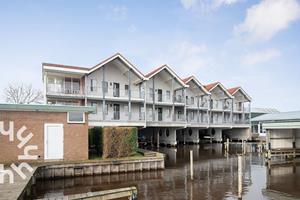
pixel 58 89
pixel 116 116
pixel 115 93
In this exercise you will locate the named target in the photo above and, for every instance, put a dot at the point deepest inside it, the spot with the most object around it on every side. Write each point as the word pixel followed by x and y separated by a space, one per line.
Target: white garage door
pixel 54 141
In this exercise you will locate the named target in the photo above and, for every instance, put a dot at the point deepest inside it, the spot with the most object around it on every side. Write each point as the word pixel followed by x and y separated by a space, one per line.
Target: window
pixel 168 95
pixel 126 90
pixel 93 85
pixel 160 132
pixel 192 115
pixel 76 117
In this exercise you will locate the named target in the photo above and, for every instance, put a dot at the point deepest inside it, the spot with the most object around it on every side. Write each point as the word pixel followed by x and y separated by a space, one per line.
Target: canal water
pixel 215 177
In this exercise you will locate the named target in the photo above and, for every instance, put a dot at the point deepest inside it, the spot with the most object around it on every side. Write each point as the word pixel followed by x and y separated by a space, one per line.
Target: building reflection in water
pixel 215 177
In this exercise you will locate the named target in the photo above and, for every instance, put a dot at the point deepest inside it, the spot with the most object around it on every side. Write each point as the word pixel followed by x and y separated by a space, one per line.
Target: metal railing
pixel 59 89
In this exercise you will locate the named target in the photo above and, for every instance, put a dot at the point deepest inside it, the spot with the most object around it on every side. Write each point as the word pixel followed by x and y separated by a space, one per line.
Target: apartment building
pixel 165 107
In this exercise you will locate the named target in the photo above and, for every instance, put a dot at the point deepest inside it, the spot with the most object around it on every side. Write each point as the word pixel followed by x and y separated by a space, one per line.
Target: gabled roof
pixel 212 86
pixel 190 78
pixel 165 67
pixel 234 90
pixel 99 65
pixel 123 59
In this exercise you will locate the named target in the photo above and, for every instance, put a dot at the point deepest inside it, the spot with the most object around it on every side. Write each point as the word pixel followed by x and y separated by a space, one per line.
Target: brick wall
pixel 75 135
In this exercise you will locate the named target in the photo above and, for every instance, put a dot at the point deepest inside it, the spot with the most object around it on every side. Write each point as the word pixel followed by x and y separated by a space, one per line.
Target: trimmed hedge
pixel 119 141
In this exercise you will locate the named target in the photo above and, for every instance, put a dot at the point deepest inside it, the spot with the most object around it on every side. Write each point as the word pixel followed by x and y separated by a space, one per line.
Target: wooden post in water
pixel 227 145
pixel 191 165
pixel 240 176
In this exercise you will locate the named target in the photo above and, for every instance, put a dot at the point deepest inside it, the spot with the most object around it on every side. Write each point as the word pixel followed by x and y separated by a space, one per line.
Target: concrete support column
pixel 103 92
pixel 129 94
pixel 158 142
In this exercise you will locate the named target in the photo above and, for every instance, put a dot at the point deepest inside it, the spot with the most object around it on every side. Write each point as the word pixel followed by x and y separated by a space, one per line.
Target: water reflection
pixel 215 177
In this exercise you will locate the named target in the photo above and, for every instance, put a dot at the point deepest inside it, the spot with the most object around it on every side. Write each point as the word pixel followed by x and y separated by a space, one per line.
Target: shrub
pixel 119 141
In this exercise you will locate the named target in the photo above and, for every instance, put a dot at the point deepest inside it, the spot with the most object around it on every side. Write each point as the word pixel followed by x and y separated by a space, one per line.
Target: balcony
pixel 115 93
pixel 55 89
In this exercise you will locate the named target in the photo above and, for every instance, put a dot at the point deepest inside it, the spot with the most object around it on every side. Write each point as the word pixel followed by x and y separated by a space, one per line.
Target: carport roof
pixel 46 108
pixel 283 116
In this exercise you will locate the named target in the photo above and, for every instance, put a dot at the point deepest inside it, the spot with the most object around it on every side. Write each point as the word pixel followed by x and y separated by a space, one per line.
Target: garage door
pixel 54 141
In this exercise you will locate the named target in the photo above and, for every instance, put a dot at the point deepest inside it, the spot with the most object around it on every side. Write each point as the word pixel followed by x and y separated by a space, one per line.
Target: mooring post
pixel 191 165
pixel 240 176
pixel 157 140
pixel 227 145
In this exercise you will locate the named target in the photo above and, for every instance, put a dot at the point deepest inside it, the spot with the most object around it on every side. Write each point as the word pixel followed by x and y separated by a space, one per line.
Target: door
pixel 159 95
pixel 160 113
pixel 54 141
pixel 116 111
pixel 116 90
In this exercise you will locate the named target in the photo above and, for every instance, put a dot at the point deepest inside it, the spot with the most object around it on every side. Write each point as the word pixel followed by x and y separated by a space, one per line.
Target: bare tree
pixel 22 94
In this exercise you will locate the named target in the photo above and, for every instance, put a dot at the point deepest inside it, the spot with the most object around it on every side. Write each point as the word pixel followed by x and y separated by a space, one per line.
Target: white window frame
pixel 76 122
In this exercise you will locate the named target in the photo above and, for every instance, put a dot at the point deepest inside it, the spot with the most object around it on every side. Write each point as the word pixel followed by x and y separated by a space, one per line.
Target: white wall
pixel 281 143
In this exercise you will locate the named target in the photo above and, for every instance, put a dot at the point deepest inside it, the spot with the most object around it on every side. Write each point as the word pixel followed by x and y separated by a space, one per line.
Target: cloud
pixel 117 13
pixel 258 57
pixel 184 57
pixel 206 5
pixel 267 18
pixel 132 28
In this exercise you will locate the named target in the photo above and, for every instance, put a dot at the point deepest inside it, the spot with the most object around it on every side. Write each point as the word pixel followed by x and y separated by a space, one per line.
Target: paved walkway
pixel 11 191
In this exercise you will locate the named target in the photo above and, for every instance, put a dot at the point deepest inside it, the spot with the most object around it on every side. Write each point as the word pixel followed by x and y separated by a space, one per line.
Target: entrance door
pixel 116 111
pixel 159 95
pixel 160 113
pixel 54 141
pixel 116 90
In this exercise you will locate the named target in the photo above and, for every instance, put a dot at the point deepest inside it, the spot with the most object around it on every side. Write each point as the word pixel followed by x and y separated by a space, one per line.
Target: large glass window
pixel 76 117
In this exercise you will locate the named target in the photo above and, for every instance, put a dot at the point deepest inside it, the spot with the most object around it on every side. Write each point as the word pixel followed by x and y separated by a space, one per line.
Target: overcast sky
pixel 248 43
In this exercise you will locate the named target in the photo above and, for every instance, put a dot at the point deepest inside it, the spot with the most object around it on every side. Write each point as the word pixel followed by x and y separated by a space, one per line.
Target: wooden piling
pixel 240 176
pixel 191 165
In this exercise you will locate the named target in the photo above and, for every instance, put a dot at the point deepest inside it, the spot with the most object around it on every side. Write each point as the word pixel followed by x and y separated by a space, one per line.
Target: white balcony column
pixel 45 88
pixel 184 96
pixel 129 94
pixel 209 112
pixel 85 90
pixel 231 111
pixel 173 100
pixel 103 92
pixel 243 109
pixel 249 107
pixel 153 97
pixel 198 108
pixel 145 101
